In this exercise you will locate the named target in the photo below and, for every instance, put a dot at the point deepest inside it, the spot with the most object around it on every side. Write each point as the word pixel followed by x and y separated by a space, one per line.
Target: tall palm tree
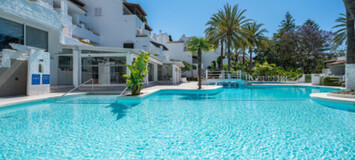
pixel 340 34
pixel 199 45
pixel 229 21
pixel 350 49
pixel 212 35
pixel 241 45
pixel 255 37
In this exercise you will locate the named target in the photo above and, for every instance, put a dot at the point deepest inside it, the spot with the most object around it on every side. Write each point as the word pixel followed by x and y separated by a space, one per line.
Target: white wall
pixel 114 28
pixel 177 52
pixel 38 16
pixel 37 59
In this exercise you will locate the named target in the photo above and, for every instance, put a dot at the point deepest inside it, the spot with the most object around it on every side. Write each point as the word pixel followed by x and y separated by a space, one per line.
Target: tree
pixel 136 78
pixel 229 20
pixel 350 17
pixel 340 34
pixel 188 67
pixel 288 23
pixel 284 49
pixel 350 51
pixel 215 36
pixel 312 46
pixel 199 45
pixel 255 37
pixel 312 24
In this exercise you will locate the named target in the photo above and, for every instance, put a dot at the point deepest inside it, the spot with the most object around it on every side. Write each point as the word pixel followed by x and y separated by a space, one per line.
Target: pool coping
pixel 299 85
pixel 335 99
pixel 146 93
pixel 40 98
pixel 149 93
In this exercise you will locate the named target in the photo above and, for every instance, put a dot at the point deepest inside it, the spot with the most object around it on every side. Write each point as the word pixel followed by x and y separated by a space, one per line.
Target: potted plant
pixel 136 78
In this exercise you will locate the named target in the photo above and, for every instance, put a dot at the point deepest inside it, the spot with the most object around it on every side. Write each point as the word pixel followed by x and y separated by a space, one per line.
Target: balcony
pixel 43 3
pixel 37 12
pixel 134 9
pixel 84 33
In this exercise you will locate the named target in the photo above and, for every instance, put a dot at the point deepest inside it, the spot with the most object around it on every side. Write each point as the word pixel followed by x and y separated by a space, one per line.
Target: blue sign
pixel 36 79
pixel 45 78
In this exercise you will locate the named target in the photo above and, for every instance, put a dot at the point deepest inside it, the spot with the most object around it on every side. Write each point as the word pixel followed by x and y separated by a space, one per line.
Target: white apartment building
pixel 177 51
pixel 85 39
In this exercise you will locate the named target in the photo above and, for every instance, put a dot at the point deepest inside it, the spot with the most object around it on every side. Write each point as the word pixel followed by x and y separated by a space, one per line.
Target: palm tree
pixel 340 34
pixel 241 45
pixel 199 45
pixel 350 49
pixel 255 37
pixel 212 35
pixel 229 21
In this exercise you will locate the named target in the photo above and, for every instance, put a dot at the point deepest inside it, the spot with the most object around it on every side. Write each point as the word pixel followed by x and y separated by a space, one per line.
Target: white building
pixel 177 51
pixel 85 39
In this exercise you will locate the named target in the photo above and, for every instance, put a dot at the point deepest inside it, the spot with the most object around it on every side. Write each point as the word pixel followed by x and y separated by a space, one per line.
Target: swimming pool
pixel 249 122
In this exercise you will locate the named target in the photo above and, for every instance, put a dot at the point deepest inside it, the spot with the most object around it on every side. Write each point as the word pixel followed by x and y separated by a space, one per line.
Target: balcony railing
pixel 141 35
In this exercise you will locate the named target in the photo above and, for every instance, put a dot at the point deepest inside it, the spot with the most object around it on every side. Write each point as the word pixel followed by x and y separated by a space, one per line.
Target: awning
pixel 158 45
pixel 147 27
pixel 337 63
pixel 132 7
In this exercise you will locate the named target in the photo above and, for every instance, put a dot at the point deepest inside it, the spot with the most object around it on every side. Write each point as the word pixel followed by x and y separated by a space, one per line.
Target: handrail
pixel 92 80
pixel 123 92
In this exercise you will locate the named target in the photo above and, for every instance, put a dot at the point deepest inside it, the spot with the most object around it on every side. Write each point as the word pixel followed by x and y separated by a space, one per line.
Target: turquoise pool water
pixel 246 123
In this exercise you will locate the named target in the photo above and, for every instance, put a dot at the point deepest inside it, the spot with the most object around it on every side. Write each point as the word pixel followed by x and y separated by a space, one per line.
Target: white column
pixel 146 77
pixel 76 67
pixel 155 72
pixel 64 7
pixel 350 76
pixel 129 60
pixel 173 74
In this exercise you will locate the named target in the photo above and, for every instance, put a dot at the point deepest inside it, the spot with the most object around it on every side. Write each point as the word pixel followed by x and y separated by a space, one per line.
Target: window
pixel 40 68
pixel 114 67
pixel 10 32
pixel 65 70
pixel 36 38
pixel 165 72
pixel 98 11
pixel 151 72
pixel 128 45
pixel 194 59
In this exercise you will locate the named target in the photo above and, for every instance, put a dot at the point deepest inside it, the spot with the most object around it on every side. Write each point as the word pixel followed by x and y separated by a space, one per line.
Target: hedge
pixel 331 81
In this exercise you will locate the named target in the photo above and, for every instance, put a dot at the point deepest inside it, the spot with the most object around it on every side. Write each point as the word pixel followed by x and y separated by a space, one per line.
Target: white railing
pixel 276 79
pixel 92 87
pixel 240 75
pixel 227 75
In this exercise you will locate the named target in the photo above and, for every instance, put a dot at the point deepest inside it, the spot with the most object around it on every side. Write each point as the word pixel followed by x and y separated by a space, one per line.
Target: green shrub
pixel 136 78
pixel 308 78
pixel 331 81
pixel 191 78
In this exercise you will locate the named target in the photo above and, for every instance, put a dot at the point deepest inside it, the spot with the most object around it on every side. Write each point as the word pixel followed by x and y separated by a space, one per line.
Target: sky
pixel 178 17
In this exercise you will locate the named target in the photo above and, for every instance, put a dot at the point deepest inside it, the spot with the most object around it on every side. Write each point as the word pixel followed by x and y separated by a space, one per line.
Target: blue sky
pixel 189 17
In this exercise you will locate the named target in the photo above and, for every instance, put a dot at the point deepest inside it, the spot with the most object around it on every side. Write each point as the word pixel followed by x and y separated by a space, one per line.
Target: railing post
pixel 206 74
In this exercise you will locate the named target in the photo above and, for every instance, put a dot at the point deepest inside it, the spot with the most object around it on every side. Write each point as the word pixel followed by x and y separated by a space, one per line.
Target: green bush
pixel 331 81
pixel 136 78
pixel 308 78
pixel 267 69
pixel 191 78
